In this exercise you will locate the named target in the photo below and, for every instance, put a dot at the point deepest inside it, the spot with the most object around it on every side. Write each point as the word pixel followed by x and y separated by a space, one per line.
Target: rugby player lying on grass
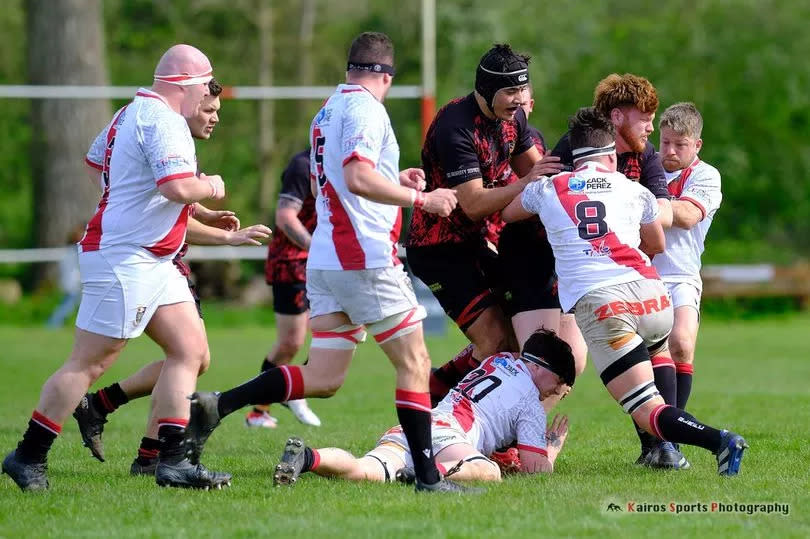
pixel 494 406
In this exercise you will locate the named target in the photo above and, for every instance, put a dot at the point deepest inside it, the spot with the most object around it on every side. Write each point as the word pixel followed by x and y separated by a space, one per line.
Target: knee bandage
pixel 344 337
pixel 637 396
pixel 397 325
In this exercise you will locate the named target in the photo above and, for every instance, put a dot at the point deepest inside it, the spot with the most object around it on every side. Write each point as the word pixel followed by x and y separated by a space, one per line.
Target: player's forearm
pixel 665 212
pixel 200 234
pixel 295 231
pixel 485 202
pixel 685 214
pixel 187 190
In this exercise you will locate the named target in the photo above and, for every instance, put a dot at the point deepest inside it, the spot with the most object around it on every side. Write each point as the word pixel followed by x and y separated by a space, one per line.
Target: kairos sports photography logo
pixel 636 507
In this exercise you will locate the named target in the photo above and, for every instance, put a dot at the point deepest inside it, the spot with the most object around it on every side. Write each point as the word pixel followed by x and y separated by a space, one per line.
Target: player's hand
pixel 249 236
pixel 218 186
pixel 224 219
pixel 549 165
pixel 557 432
pixel 442 202
pixel 413 178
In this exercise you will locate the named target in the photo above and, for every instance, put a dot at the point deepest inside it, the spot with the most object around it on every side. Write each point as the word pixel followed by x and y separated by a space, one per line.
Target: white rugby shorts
pixel 684 295
pixel 122 287
pixel 616 319
pixel 366 296
pixel 443 435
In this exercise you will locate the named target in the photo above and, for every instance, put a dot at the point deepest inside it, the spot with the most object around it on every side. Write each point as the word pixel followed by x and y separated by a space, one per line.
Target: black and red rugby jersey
pixel 295 186
pixel 462 144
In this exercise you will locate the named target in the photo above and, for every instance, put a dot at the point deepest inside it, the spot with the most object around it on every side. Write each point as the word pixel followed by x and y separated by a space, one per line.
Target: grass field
pixel 752 376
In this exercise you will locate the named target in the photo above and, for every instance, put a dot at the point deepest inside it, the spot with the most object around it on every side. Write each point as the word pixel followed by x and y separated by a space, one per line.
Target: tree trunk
pixel 65 46
pixel 267 183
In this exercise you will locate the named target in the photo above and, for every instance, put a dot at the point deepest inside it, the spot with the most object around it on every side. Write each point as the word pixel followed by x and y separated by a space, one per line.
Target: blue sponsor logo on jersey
pixel 576 184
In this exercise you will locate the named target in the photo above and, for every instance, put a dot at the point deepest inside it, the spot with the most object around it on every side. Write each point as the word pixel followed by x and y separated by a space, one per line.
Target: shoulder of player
pixel 704 170
pixel 649 152
pixel 457 115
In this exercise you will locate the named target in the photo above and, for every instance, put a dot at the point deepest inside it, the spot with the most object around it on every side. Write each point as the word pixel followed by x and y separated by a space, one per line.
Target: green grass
pixel 751 376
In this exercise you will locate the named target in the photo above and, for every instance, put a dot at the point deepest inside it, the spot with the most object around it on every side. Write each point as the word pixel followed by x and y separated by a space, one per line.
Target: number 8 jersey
pixel 592 218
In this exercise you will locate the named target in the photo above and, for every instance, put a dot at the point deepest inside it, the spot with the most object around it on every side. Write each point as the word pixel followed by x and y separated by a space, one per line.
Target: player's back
pixel 495 403
pixel 592 218
pixel 146 145
pixel 352 232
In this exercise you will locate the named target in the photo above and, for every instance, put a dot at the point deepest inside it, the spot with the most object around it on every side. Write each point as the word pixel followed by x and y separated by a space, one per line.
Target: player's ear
pixel 698 145
pixel 616 116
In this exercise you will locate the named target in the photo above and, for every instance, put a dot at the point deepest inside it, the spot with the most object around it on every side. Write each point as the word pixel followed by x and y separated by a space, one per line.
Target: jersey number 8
pixel 591 219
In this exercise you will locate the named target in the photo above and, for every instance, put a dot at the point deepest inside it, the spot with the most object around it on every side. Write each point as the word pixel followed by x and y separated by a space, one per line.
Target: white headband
pixel 590 151
pixel 185 79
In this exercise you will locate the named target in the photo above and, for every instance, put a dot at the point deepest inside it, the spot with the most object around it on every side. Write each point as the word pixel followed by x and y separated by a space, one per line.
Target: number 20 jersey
pixel 592 218
pixel 495 405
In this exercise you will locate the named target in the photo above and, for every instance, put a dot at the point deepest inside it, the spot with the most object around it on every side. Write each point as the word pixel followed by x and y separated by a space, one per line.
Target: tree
pixel 65 46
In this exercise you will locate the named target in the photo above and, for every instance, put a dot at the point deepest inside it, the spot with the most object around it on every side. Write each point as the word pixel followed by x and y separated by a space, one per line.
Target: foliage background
pixel 742 62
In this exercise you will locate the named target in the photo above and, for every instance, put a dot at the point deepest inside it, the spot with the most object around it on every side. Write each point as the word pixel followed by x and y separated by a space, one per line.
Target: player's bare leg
pixel 92 354
pixel 146 461
pixel 177 330
pixel 463 462
pixel 682 348
pixel 635 391
pixel 291 330
pixel 341 464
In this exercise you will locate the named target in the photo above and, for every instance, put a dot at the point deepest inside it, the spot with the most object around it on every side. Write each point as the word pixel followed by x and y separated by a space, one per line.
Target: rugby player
pixel 495 405
pixel 596 219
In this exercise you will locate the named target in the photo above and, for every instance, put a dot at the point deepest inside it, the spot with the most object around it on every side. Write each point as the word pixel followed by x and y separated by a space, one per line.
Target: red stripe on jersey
pixel 620 253
pixel 698 204
pixel 395 231
pixel 347 246
pixel 531 448
pixel 359 157
pixel 178 176
pixel 94 165
pixel 152 96
pixel 675 187
pixel 463 412
pixel 92 236
pixel 172 241
pixel 350 90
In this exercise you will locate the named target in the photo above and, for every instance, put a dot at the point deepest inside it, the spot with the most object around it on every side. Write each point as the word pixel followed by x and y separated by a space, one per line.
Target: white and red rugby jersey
pixel 592 218
pixel 146 144
pixel 495 405
pixel 352 232
pixel 699 184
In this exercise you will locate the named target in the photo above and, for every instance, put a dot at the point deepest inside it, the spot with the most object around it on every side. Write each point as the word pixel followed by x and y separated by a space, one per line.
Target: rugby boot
pixel 27 475
pixel 91 425
pixel 291 464
pixel 202 422
pixel 406 475
pixel 445 485
pixel 184 474
pixel 260 419
pixel 139 468
pixel 730 453
pixel 303 412
pixel 665 456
